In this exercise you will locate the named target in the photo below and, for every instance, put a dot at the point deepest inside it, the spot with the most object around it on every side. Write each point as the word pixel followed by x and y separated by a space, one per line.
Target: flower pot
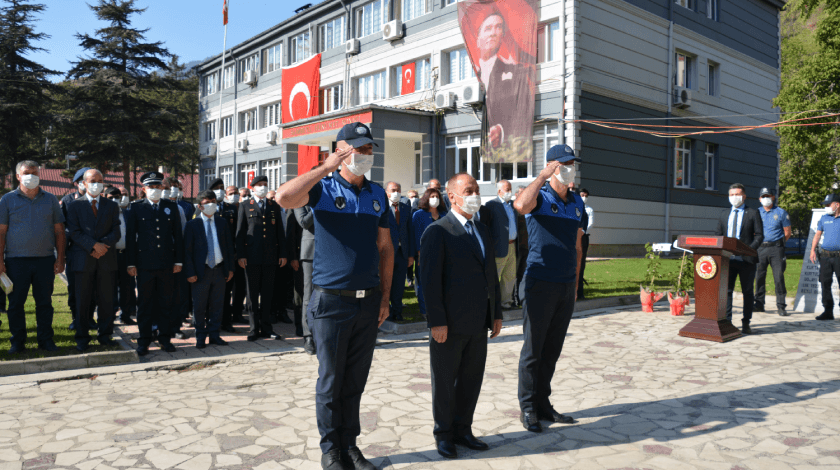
pixel 678 303
pixel 648 299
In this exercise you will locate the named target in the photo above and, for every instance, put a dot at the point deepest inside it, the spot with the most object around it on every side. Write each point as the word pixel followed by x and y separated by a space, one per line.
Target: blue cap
pixel 831 198
pixel 80 174
pixel 355 134
pixel 767 191
pixel 561 153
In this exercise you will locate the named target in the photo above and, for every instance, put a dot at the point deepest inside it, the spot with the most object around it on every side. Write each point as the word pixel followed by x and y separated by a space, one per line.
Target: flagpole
pixel 221 92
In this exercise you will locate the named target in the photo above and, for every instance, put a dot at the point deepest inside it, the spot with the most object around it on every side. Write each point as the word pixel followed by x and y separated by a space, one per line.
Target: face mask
pixel 260 191
pixel 394 197
pixel 232 199
pixel 124 202
pixel 433 201
pixel 30 181
pixel 360 164
pixel 82 187
pixel 471 204
pixel 209 209
pixel 829 210
pixel 736 201
pixel 94 189
pixel 766 201
pixel 164 193
pixel 245 198
pixel 412 199
pixel 220 194
pixel 584 198
pixel 566 175
pixel 174 192
pixel 506 196
pixel 154 194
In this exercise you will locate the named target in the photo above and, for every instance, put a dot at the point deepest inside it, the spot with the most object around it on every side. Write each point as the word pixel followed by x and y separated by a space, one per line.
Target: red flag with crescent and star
pixel 301 83
pixel 224 12
pixel 408 73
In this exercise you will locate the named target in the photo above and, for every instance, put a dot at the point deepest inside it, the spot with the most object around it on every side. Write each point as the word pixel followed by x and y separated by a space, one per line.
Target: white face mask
pixel 736 201
pixel 165 193
pixel 174 192
pixel 394 197
pixel 245 198
pixel 360 164
pixel 220 194
pixel 829 210
pixel 506 196
pixel 232 199
pixel 433 201
pixel 30 181
pixel 209 209
pixel 584 198
pixel 260 191
pixel 82 188
pixel 154 194
pixel 766 201
pixel 94 189
pixel 471 204
pixel 124 202
pixel 566 175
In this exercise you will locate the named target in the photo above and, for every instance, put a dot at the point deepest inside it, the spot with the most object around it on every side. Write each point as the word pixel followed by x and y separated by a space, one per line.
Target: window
pixel 415 8
pixel 418 164
pixel 422 76
pixel 714 78
pixel 371 17
pixel 227 126
pixel 446 3
pixel 226 174
pixel 711 152
pixel 271 169
pixel 300 47
pixel 332 98
pixel 244 169
pixel 685 71
pixel 331 34
pixel 210 130
pixel 712 9
pixel 371 87
pixel 686 3
pixel 462 155
pixel 247 121
pixel 209 84
pixel 549 42
pixel 228 76
pixel 682 163
pixel 272 58
pixel 271 115
pixel 248 63
pixel 209 176
pixel 460 67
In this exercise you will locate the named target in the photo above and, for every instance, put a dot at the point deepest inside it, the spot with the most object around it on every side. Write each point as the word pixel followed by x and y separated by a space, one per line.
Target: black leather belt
pixel 779 242
pixel 829 254
pixel 356 294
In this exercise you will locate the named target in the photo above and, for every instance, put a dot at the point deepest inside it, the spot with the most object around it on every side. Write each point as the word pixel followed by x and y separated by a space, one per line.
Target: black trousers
pixel 584 245
pixel 746 271
pixel 829 269
pixel 775 257
pixel 155 306
pixel 260 279
pixel 101 284
pixel 306 266
pixel 284 289
pixel 457 372
pixel 548 309
pixel 125 294
pixel 72 300
pixel 398 283
pixel 240 291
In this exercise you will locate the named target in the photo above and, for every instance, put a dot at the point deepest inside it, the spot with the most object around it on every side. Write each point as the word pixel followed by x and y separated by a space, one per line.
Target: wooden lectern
pixel 711 279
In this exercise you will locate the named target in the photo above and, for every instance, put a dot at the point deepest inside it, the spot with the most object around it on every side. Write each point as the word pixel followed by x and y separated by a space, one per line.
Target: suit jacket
pixel 305 218
pixel 189 209
pixel 456 278
pixel 402 234
pixel 509 83
pixel 87 230
pixel 64 203
pixel 229 213
pixel 260 237
pixel 500 225
pixel 752 229
pixel 154 239
pixel 196 246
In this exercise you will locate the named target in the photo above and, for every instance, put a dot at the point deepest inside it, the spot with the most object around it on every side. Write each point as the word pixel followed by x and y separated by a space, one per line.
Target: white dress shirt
pixel 217 251
pixel 121 243
pixel 464 221
pixel 591 215
pixel 485 68
pixel 511 215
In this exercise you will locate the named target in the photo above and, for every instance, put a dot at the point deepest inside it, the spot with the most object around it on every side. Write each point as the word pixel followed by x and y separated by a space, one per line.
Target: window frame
pixel 472 145
pixel 322 33
pixel 244 168
pixel 247 125
pixel 271 170
pixel 688 4
pixel 209 176
pixel 326 93
pixel 358 18
pixel 272 110
pixel 688 69
pixel 276 49
pixel 711 154
pixel 712 10
pixel 370 76
pixel 686 159
pixel 209 131
pixel 427 8
pixel 418 164
pixel 468 64
pixel 209 84
pixel 545 46
pixel 252 62
pixel 227 126
pixel 229 76
pixel 294 46
pixel 226 174
pixel 713 77
pixel 397 73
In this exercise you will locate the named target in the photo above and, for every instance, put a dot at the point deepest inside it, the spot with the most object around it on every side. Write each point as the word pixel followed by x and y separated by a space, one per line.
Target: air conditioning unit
pixel 472 94
pixel 351 46
pixel 270 137
pixel 444 99
pixel 251 77
pixel 242 145
pixel 392 30
pixel 211 150
pixel 682 97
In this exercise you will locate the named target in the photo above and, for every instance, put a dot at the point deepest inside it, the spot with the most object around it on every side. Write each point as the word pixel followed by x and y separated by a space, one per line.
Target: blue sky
pixel 191 29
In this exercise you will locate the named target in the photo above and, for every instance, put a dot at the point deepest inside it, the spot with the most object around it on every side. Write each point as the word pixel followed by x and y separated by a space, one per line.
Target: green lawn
pixel 64 337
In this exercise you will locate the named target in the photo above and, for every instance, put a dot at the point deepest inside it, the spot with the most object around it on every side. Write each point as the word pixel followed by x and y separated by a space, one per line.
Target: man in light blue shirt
pixel 772 251
pixel 503 231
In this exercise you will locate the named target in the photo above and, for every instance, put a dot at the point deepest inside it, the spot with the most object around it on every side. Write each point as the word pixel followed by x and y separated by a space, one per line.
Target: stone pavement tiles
pixel 644 397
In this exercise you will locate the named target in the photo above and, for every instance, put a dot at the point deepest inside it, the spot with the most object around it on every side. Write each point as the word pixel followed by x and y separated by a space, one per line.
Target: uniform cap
pixel 356 134
pixel 215 182
pixel 829 198
pixel 561 153
pixel 80 174
pixel 152 177
pixel 767 191
pixel 258 179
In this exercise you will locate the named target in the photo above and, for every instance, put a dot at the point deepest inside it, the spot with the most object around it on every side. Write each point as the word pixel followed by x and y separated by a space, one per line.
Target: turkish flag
pixel 408 73
pixel 301 83
pixel 224 12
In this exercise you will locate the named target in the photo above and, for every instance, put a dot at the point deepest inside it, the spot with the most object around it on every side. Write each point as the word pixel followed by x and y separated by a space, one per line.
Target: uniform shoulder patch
pixel 340 203
pixel 554 208
pixel 577 211
pixel 376 206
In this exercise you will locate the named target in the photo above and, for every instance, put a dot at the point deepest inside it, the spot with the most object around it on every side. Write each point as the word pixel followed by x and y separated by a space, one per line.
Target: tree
pixel 24 85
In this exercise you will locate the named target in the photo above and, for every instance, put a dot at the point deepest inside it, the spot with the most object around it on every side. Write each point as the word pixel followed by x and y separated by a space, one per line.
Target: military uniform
pixel 772 253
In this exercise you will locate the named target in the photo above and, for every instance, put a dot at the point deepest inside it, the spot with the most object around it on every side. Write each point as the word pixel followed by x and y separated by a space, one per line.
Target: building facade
pixel 668 62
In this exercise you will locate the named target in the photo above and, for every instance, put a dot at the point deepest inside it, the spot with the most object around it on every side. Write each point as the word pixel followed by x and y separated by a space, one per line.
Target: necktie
pixel 154 207
pixel 397 213
pixel 93 206
pixel 733 225
pixel 211 247
pixel 471 231
pixel 262 206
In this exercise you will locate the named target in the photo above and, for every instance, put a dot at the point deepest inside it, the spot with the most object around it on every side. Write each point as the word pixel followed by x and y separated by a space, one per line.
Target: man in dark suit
pixel 238 296
pixel 521 252
pixel 402 237
pixel 208 266
pixel 125 296
pixel 305 218
pixel 260 248
pixel 461 289
pixel 294 233
pixel 155 247
pixel 503 231
pixel 743 223
pixel 228 212
pixel 79 192
pixel 94 225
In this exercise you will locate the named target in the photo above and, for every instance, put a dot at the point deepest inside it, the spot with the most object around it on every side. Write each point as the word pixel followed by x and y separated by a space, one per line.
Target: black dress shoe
pixel 309 345
pixel 253 337
pixel 239 320
pixel 200 345
pixel 555 417
pixel 758 308
pixel 745 329
pixel 218 342
pixel 107 342
pixel 784 313
pixel 471 442
pixel 271 335
pixel 284 317
pixel 353 458
pixel 826 316
pixel 48 346
pixel 72 325
pixel 17 349
pixel 228 328
pixel 530 421
pixel 92 325
pixel 168 347
pixel 299 332
pixel 181 335
pixel 446 448
pixel 142 350
pixel 332 461
pixel 81 347
pixel 127 321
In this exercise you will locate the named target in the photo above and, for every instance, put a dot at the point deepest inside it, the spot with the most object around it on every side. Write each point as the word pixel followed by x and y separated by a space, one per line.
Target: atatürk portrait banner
pixel 501 40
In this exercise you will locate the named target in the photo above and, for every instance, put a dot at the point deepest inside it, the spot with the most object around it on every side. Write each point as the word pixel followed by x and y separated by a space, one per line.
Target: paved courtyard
pixel 644 397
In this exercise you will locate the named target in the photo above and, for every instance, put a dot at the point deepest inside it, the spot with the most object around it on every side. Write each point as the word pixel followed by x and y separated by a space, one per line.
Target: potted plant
pixel 682 282
pixel 646 290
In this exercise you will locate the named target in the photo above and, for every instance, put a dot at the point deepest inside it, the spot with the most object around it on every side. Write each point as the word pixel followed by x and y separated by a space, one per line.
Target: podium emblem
pixel 706 267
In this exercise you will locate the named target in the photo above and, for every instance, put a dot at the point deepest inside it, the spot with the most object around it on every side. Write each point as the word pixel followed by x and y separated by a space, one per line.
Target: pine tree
pixel 24 85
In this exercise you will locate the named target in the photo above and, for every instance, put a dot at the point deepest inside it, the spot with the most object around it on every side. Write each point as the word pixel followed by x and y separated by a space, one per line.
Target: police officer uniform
pixel 772 252
pixel 260 239
pixel 548 292
pixel 155 244
pixel 69 272
pixel 829 255
pixel 228 212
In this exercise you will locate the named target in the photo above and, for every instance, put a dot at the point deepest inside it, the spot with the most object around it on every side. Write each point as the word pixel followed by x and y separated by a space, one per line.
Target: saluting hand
pixel 549 170
pixel 334 160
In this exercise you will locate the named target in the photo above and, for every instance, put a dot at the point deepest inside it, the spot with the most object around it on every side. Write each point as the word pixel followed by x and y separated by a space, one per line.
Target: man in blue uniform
pixel 772 251
pixel 828 253
pixel 353 267
pixel 555 218
pixel 155 247
pixel 69 272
